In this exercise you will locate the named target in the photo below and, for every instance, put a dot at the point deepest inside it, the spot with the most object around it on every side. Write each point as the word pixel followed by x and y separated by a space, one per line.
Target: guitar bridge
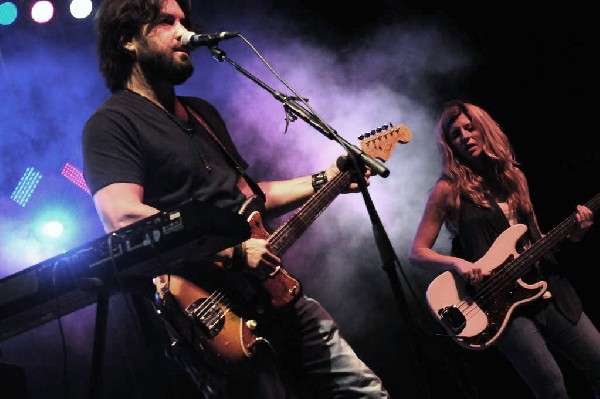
pixel 453 318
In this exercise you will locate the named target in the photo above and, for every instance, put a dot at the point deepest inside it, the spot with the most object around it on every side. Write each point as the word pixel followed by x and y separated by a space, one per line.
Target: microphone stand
pixel 290 104
pixel 384 245
pixel 389 261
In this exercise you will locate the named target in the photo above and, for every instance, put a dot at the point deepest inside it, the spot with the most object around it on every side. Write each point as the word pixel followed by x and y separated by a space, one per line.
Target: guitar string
pixel 526 257
pixel 278 237
pixel 281 232
pixel 490 288
pixel 209 303
pixel 507 278
pixel 219 315
pixel 340 180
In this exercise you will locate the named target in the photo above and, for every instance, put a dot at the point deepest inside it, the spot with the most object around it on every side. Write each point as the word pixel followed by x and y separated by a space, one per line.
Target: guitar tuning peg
pixel 390 124
pixel 361 137
pixel 367 134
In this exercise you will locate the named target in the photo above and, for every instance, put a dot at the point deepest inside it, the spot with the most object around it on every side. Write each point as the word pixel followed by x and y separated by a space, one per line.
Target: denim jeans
pixel 528 344
pixel 302 356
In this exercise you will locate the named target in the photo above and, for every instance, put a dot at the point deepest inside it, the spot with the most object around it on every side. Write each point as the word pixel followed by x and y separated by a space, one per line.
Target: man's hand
pixel 346 163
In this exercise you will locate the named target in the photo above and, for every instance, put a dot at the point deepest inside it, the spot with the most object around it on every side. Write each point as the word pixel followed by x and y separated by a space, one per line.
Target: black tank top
pixel 478 228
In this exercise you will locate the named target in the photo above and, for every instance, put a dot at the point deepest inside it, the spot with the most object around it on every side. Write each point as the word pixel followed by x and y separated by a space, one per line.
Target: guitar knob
pixel 293 290
pixel 251 324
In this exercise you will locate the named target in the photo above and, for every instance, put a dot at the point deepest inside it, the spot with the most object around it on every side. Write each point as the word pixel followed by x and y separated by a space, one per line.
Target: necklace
pixel 187 128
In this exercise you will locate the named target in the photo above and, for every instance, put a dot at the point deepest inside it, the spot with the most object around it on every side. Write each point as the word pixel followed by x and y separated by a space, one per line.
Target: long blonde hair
pixel 502 172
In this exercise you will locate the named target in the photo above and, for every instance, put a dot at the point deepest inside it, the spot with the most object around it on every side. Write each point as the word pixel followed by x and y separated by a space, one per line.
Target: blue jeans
pixel 527 343
pixel 304 357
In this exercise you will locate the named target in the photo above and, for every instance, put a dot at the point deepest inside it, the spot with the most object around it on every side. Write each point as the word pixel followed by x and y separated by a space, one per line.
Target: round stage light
pixel 42 11
pixel 8 13
pixel 81 8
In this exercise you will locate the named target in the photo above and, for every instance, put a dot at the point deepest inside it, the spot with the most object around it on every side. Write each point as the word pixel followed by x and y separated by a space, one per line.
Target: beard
pixel 162 67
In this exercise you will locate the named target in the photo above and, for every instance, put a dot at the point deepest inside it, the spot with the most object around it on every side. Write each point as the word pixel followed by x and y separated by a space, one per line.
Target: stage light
pixel 75 176
pixel 42 11
pixel 54 225
pixel 26 186
pixel 8 13
pixel 81 8
pixel 52 229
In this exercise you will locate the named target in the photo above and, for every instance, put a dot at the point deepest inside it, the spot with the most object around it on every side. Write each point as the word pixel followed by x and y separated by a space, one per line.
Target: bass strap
pixel 251 183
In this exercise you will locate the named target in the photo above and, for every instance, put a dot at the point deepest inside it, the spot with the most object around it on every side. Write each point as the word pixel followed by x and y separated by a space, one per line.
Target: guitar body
pixel 475 316
pixel 225 339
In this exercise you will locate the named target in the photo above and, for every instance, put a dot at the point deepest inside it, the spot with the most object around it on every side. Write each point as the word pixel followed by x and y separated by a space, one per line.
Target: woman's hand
pixel 585 220
pixel 471 272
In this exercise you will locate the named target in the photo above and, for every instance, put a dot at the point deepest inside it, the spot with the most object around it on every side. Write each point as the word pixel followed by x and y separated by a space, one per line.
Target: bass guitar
pixel 224 338
pixel 476 315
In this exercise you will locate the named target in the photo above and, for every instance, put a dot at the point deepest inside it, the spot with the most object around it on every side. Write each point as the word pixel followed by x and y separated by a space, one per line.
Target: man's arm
pixel 286 195
pixel 120 204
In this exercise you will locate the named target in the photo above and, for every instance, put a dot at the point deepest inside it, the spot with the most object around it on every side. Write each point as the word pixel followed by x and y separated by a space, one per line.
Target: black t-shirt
pixel 129 139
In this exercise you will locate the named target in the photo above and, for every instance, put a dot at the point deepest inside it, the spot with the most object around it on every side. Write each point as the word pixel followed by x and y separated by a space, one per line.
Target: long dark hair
pixel 117 22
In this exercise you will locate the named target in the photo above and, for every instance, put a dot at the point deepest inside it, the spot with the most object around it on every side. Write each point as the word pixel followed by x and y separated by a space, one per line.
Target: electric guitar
pixel 476 315
pixel 223 337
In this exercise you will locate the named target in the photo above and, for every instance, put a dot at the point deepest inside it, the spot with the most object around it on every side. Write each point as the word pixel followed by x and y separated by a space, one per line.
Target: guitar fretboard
pixel 287 233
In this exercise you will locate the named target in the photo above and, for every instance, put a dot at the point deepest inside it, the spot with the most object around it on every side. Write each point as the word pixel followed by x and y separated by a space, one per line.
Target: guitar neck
pixel 282 238
pixel 378 145
pixel 553 237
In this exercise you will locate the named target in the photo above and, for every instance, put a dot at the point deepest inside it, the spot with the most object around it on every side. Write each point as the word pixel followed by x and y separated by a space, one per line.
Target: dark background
pixel 531 67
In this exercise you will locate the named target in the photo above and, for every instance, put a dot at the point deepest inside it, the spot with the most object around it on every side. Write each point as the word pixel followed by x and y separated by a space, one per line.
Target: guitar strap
pixel 251 183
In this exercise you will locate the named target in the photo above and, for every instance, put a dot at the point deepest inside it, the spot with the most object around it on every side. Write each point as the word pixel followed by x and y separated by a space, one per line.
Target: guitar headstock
pixel 380 143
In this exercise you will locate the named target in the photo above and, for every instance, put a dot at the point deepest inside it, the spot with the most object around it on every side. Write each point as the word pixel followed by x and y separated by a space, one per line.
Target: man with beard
pixel 147 149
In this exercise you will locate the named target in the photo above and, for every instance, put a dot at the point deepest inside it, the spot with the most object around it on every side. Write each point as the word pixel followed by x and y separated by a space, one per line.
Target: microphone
pixel 191 39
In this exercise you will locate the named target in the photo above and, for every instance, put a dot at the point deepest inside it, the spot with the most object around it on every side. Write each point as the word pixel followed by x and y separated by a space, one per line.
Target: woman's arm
pixel 421 254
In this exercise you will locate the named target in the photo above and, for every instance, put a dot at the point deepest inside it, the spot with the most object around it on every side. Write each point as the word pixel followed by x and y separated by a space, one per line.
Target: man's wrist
pixel 238 257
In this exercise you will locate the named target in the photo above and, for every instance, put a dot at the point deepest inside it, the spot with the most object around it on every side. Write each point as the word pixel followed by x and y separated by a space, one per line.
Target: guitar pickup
pixel 453 318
